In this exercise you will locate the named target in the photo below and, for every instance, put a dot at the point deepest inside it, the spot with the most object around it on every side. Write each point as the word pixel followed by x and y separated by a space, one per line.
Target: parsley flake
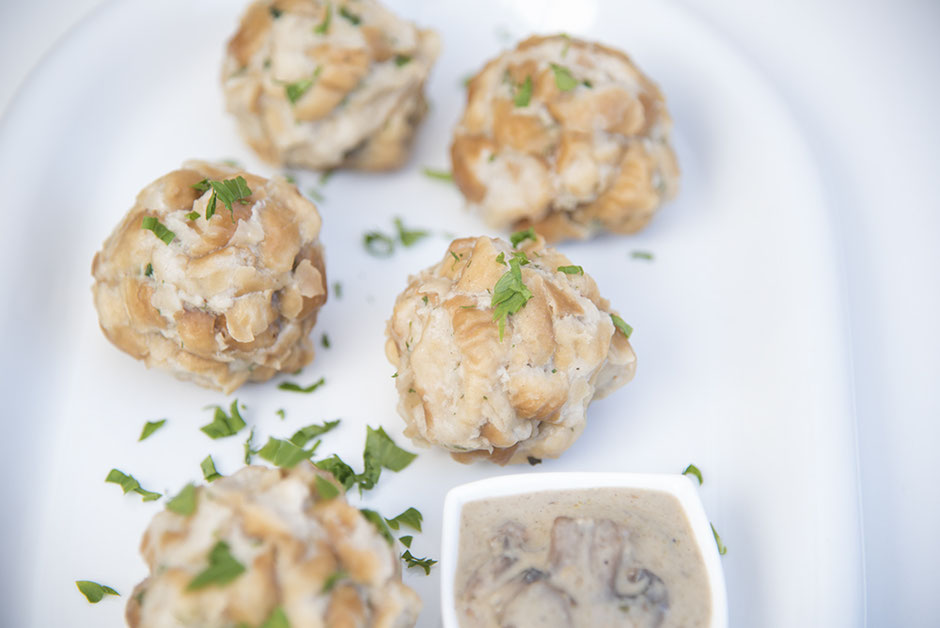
pixel 440 175
pixel 275 12
pixel 406 540
pixel 325 341
pixel 644 255
pixel 150 427
pixel 379 524
pixel 222 424
pixel 571 270
pixel 151 223
pixel 185 501
pixel 411 518
pixel 148 271
pixel 563 79
pixel 343 473
pixel 333 579
pixel 378 244
pixel 291 386
pixel 523 93
pixel 381 448
pixel 208 469
pixel 306 434
pixel 325 488
pixel 249 450
pixel 620 324
pixel 509 295
pixel 337 290
pixel 521 236
pixel 693 470
pixel 128 483
pixel 277 619
pixel 323 27
pixel 423 563
pixel 228 191
pixel 722 550
pixel 222 568
pixel 401 60
pixel 352 17
pixel 408 236
pixel 297 89
pixel 283 453
pixel 93 591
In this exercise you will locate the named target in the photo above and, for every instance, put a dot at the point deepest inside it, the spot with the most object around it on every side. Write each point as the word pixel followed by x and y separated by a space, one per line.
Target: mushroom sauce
pixel 587 557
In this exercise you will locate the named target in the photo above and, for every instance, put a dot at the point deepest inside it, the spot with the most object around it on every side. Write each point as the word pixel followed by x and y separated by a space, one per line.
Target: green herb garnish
pixel 440 175
pixel 283 453
pixel 337 290
pixel 277 619
pixel 297 89
pixel 722 550
pixel 324 26
pixel 291 386
pixel 563 79
pixel 148 270
pixel 378 244
pixel 522 235
pixel 208 469
pixel 325 488
pixel 401 60
pixel 523 93
pixel 571 270
pixel 275 12
pixel 383 450
pixel 620 324
pixel 222 569
pixel 423 563
pixel 411 518
pixel 306 434
pixel 343 473
pixel 406 540
pixel 185 501
pixel 249 450
pixel 325 341
pixel 128 483
pixel 159 229
pixel 693 470
pixel 642 255
pixel 509 295
pixel 408 236
pixel 333 579
pixel 228 191
pixel 93 591
pixel 352 17
pixel 150 427
pixel 379 524
pixel 222 424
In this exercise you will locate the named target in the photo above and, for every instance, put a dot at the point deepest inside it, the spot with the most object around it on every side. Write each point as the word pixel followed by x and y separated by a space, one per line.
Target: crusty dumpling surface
pixel 318 561
pixel 566 136
pixel 229 299
pixel 322 84
pixel 524 395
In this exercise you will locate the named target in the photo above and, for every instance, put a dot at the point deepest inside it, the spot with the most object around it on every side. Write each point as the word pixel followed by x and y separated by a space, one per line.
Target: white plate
pixel 739 322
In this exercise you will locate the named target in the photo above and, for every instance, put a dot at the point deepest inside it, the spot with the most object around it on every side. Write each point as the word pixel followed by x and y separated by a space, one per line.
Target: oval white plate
pixel 742 357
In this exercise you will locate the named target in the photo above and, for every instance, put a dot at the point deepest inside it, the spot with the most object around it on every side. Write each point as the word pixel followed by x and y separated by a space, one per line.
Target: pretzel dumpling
pixel 509 398
pixel 308 559
pixel 328 83
pixel 566 136
pixel 229 299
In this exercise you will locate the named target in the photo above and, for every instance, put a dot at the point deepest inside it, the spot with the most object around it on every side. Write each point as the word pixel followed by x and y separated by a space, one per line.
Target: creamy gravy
pixel 580 558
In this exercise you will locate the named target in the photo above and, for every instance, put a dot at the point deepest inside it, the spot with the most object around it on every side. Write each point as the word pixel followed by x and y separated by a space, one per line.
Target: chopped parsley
pixel 411 518
pixel 283 453
pixel 620 324
pixel 693 470
pixel 151 223
pixel 291 386
pixel 509 295
pixel 281 413
pixel 323 27
pixel 306 434
pixel 222 568
pixel 379 524
pixel 337 290
pixel 571 270
pixel 208 469
pixel 401 60
pixel 343 473
pixel 93 591
pixel 352 17
pixel 423 563
pixel 380 451
pixel 275 12
pixel 333 579
pixel 722 550
pixel 222 424
pixel 563 79
pixel 564 49
pixel 325 341
pixel 521 236
pixel 277 619
pixel 249 450
pixel 408 236
pixel 148 271
pixel 128 483
pixel 228 191
pixel 425 299
pixel 406 540
pixel 185 501
pixel 150 427
pixel 378 244
pixel 646 255
pixel 440 175
pixel 325 488
pixel 297 89
pixel 523 93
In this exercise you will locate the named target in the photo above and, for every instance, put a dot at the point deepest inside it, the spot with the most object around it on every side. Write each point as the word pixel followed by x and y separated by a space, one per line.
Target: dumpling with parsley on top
pixel 322 84
pixel 215 275
pixel 269 547
pixel 566 136
pixel 500 348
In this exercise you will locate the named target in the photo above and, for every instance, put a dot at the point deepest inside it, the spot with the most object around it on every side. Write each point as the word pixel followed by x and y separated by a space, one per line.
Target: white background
pixel 863 78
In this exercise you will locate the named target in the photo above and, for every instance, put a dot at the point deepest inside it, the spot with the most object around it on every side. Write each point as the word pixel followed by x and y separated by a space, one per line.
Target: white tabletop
pixel 862 78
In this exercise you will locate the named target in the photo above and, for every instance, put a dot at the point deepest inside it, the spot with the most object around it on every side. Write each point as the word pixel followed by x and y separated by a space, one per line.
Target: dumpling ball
pixel 566 136
pixel 500 349
pixel 215 275
pixel 323 84
pixel 270 547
